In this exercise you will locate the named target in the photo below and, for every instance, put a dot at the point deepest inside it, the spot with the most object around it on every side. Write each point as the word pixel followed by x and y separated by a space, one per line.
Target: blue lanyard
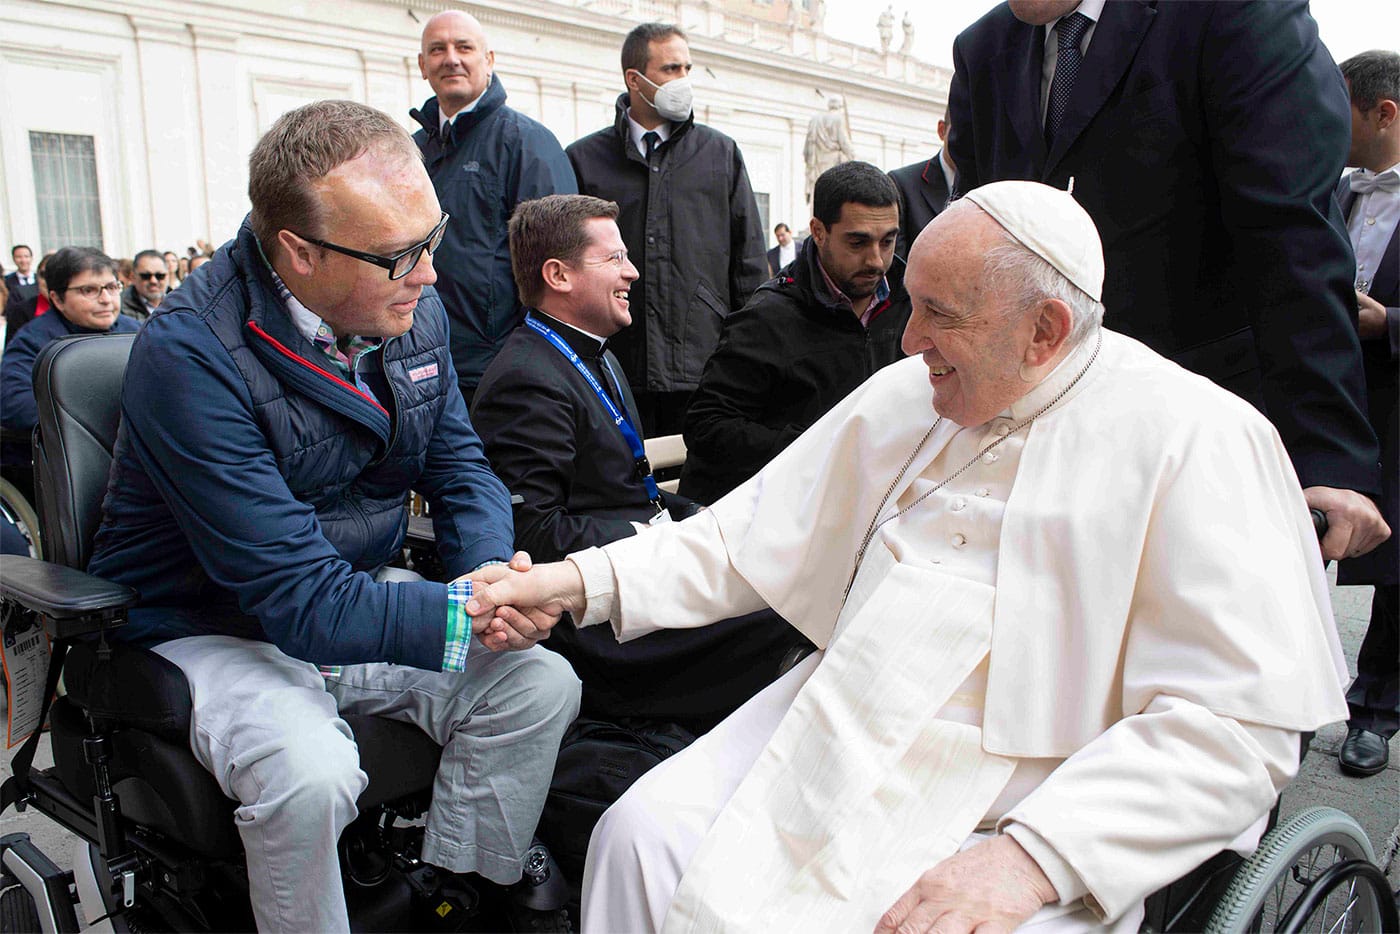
pixel 624 425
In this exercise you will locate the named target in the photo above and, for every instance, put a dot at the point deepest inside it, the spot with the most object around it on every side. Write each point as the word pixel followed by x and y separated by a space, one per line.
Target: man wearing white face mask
pixel 688 217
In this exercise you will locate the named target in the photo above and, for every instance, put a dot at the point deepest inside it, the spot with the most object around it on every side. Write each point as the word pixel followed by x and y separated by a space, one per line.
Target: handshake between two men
pixel 514 606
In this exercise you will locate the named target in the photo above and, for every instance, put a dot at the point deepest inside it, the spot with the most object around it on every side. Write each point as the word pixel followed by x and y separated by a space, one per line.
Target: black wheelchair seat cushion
pixel 399 758
pixel 133 686
pixel 159 782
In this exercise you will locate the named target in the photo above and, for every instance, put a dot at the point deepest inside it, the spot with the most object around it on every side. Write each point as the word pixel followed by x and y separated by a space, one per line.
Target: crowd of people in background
pixel 621 287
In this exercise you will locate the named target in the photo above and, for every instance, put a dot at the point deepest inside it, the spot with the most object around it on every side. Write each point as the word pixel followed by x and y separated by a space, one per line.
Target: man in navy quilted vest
pixel 276 411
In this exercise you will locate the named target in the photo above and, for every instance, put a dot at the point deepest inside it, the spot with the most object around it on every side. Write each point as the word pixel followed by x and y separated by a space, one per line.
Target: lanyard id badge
pixel 640 464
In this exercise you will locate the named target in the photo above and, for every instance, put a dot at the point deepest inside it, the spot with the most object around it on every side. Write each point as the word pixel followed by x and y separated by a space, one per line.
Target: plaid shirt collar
pixel 317 331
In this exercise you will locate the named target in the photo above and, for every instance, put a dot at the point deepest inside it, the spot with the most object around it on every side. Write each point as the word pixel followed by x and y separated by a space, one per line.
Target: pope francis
pixel 1072 618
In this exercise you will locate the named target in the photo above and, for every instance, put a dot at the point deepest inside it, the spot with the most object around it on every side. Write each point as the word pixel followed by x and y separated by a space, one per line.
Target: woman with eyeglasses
pixel 80 283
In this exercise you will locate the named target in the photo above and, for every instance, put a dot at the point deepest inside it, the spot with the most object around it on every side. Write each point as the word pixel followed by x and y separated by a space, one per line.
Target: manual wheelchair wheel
pixel 1320 855
pixel 18 511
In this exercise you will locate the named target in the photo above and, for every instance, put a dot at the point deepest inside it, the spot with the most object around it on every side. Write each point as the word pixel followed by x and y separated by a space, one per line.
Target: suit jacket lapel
pixel 1018 88
pixel 1117 35
pixel 934 190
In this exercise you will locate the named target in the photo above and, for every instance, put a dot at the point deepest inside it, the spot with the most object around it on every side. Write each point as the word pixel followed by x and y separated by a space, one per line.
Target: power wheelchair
pixel 159 849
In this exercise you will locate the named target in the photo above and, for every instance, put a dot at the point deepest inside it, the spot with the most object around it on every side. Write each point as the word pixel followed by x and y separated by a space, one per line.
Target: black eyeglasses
pixel 90 291
pixel 401 263
pixel 147 276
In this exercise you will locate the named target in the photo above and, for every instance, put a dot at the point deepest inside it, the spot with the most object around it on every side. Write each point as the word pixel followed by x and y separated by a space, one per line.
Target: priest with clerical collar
pixel 1072 619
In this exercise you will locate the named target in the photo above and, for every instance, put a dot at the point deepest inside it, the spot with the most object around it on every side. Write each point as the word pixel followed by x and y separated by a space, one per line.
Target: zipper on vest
pixel 396 416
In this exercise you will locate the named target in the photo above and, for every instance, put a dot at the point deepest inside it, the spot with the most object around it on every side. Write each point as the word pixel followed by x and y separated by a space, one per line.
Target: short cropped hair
pixel 548 228
pixel 1031 280
pixel 304 145
pixel 636 48
pixel 72 261
pixel 782 226
pixel 860 182
pixel 1374 76
pixel 148 254
pixel 20 246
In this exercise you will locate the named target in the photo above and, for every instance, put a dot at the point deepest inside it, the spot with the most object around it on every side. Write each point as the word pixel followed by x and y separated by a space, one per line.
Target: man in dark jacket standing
pixel 1370 201
pixel 924 187
pixel 484 158
pixel 806 338
pixel 689 220
pixel 275 414
pixel 1211 186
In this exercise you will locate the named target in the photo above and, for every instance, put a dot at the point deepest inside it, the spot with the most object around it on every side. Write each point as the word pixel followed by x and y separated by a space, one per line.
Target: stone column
pixel 225 175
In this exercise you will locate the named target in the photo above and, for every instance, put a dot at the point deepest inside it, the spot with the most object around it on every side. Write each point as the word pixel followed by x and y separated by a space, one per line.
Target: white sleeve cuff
pixel 599 586
pixel 1066 881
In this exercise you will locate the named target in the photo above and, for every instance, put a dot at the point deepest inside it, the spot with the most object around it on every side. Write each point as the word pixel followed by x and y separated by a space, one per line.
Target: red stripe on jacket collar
pixel 252 326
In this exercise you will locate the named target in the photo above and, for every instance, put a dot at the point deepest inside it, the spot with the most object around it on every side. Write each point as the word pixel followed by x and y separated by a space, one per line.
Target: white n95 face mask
pixel 675 99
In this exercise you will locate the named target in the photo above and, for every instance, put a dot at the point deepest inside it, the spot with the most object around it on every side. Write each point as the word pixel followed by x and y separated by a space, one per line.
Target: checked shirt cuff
pixel 459 626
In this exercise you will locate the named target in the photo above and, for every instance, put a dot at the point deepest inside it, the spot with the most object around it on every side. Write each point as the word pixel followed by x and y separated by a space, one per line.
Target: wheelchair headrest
pixel 77 387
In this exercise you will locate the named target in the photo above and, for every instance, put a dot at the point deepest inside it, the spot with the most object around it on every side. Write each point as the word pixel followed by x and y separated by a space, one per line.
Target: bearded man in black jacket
pixel 806 338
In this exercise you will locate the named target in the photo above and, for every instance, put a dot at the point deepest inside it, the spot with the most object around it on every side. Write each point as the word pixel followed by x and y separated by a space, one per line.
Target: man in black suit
pixel 784 253
pixel 560 427
pixel 22 285
pixel 1370 200
pixel 924 187
pixel 1204 140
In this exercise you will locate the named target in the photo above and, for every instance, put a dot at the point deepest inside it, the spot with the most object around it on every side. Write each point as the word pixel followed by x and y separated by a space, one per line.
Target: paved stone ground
pixel 1374 801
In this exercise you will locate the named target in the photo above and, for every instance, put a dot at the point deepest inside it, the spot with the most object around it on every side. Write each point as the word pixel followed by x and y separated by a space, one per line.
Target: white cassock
pixel 1102 638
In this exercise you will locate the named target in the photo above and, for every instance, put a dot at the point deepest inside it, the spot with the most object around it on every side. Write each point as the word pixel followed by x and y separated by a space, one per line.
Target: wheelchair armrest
pixel 72 602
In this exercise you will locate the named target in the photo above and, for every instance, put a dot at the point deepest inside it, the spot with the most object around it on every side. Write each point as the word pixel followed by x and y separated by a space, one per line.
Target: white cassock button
pixel 1370 222
pixel 990 457
pixel 984 492
pixel 958 540
pixel 958 504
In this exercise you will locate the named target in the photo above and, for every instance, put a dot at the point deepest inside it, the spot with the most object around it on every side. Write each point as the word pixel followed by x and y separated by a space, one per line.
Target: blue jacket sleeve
pixel 469 505
pixel 18 411
pixel 542 168
pixel 190 421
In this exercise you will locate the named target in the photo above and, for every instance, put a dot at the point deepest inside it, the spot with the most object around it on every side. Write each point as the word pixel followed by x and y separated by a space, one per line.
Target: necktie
pixel 1363 183
pixel 652 139
pixel 1071 30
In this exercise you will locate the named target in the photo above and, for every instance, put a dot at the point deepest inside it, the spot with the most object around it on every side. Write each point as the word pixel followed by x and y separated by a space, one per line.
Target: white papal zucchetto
pixel 1049 223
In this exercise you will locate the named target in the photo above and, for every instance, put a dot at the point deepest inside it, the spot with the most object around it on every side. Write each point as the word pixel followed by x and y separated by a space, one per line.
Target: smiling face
pixel 857 249
pixel 599 280
pixel 455 60
pixel 23 258
pixel 379 202
pixel 960 325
